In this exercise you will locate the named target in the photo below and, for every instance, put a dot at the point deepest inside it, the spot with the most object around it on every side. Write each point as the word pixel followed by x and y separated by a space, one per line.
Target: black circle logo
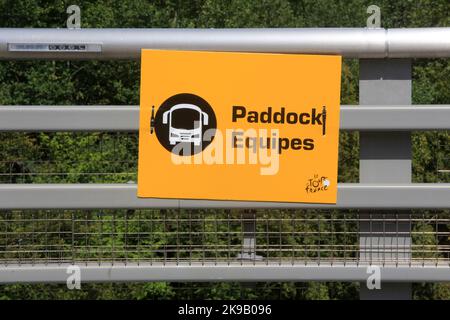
pixel 185 124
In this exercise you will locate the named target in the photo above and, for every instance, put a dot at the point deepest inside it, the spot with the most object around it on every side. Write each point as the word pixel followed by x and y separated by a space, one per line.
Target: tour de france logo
pixel 181 122
pixel 317 184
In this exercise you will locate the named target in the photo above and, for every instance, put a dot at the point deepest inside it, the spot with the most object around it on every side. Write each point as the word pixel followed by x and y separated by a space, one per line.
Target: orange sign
pixel 239 126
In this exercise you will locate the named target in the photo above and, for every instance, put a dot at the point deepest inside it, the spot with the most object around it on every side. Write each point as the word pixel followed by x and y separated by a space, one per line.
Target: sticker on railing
pixel 55 47
pixel 239 126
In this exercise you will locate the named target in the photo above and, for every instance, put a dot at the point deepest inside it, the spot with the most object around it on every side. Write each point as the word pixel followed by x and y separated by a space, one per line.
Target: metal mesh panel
pixel 172 236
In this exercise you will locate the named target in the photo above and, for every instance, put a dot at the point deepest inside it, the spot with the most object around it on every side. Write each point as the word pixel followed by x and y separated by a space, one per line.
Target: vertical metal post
pixel 385 157
pixel 249 237
pixel 248 246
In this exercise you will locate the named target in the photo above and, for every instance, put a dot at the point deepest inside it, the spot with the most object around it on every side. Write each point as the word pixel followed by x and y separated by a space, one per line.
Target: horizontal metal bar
pixel 126 118
pixel 121 196
pixel 127 43
pixel 69 118
pixel 218 272
pixel 395 118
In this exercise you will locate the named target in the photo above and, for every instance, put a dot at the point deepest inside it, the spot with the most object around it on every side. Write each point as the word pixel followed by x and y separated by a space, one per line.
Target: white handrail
pixel 18 43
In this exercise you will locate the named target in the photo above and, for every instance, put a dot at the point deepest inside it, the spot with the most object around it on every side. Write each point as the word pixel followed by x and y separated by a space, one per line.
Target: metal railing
pixel 64 224
pixel 127 43
pixel 126 118
pixel 196 245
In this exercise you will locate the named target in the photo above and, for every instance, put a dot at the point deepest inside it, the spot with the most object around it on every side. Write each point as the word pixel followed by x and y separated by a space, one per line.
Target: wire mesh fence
pixel 194 236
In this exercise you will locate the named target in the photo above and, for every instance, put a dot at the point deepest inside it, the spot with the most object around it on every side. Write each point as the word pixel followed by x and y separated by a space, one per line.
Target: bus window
pixel 187 119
